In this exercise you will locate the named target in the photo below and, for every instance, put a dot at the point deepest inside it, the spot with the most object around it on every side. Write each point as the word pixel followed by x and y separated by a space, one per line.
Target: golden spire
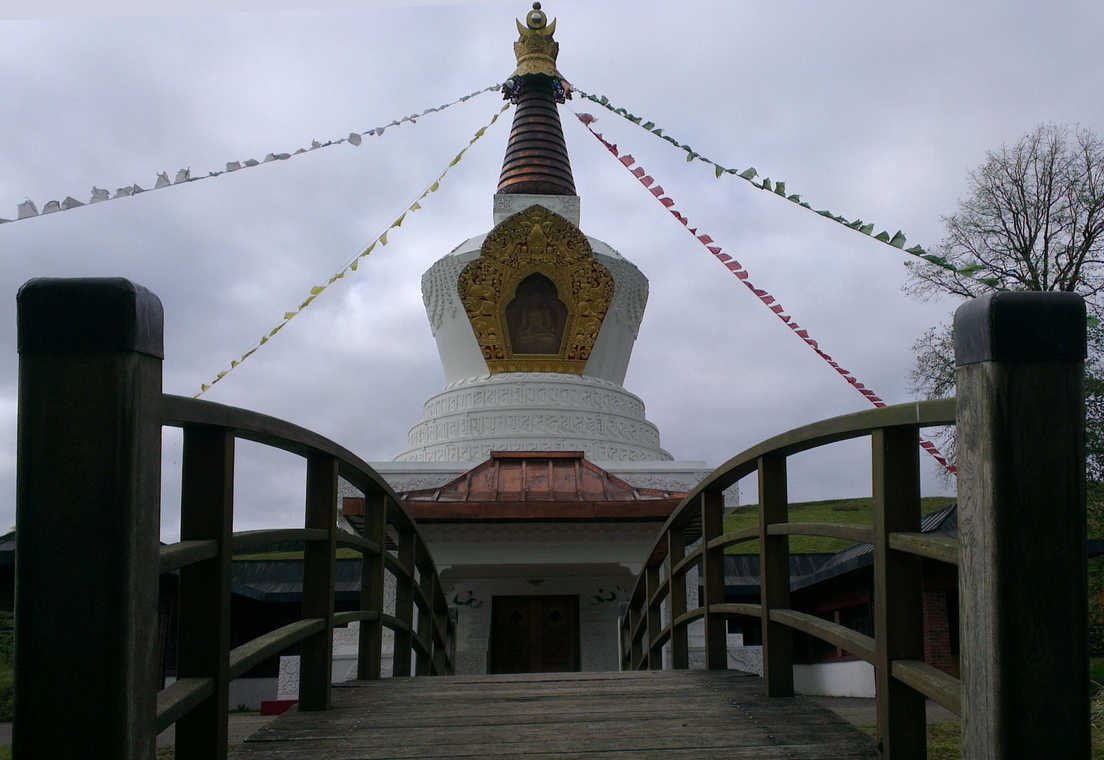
pixel 535 50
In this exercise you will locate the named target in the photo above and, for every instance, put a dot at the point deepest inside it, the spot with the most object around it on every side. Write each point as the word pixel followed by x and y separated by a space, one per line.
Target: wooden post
pixel 1021 500
pixel 636 653
pixel 370 643
pixel 774 576
pixel 653 625
pixel 404 603
pixel 898 608
pixel 423 665
pixel 713 588
pixel 316 659
pixel 88 489
pixel 440 621
pixel 206 512
pixel 676 550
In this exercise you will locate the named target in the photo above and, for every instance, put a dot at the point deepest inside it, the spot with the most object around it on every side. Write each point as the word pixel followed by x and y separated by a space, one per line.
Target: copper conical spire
pixel 536 160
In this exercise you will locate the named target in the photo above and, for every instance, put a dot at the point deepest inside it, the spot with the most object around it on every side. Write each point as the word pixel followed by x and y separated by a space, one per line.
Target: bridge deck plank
pixel 671 714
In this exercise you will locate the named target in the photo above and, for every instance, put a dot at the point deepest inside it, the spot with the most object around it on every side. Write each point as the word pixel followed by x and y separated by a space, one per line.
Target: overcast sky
pixel 871 109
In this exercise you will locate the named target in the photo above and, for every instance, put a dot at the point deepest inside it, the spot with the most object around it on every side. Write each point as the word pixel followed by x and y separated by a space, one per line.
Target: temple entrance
pixel 534 634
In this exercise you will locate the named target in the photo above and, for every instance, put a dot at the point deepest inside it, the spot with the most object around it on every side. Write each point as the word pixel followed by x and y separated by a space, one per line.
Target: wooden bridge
pixel 91 410
pixel 612 716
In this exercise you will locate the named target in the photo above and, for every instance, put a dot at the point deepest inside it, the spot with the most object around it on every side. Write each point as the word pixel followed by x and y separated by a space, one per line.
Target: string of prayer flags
pixel 27 209
pixel 354 263
pixel 897 240
pixel 742 274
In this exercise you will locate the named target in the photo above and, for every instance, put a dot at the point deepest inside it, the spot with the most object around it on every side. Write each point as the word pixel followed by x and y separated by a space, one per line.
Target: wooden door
pixel 534 634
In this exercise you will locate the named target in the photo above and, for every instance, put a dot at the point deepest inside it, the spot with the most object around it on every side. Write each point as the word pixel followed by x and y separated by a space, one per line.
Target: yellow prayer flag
pixel 416 205
pixel 369 249
pixel 203 388
pixel 356 262
pixel 456 160
pixel 398 222
pixel 383 239
pixel 480 133
pixel 277 329
pixel 220 375
pixel 234 363
pixel 336 277
pixel 289 314
pixel 435 185
pixel 317 289
pixel 306 303
pixel 264 340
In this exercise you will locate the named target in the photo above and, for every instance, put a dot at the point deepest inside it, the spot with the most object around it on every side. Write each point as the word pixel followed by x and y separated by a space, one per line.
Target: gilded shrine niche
pixel 536 296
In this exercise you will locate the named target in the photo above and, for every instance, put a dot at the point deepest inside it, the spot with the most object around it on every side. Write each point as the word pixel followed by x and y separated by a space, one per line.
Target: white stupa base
pixel 519 411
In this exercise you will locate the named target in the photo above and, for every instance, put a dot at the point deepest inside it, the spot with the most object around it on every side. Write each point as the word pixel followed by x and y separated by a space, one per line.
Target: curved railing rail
pixel 694 537
pixel 203 555
pixel 88 579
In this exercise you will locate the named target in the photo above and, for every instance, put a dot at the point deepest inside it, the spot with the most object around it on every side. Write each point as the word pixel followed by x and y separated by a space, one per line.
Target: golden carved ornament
pixel 536 241
pixel 536 51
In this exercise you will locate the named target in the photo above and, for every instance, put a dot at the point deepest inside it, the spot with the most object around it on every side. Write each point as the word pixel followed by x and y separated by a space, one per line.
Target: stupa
pixel 535 476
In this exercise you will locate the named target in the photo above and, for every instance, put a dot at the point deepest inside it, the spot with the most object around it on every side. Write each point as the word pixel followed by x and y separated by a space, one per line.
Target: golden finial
pixel 535 50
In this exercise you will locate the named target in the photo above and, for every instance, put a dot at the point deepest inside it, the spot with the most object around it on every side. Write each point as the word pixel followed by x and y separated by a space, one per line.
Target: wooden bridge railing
pixel 1020 551
pixel 88 560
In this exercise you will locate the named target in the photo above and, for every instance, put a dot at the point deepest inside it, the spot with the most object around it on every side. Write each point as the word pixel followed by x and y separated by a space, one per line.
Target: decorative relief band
pixel 439 292
pixel 528 423
pixel 587 395
pixel 480 450
pixel 631 295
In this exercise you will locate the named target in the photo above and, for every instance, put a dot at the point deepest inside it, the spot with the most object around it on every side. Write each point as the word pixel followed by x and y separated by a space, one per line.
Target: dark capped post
pixel 87 519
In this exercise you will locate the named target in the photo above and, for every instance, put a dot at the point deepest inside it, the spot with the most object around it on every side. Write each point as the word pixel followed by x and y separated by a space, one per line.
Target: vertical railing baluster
pixel 774 576
pixel 636 652
pixel 404 602
pixel 319 560
pixel 440 626
pixel 370 642
pixel 680 647
pixel 898 611
pixel 1021 491
pixel 423 665
pixel 653 624
pixel 712 520
pixel 88 488
pixel 206 512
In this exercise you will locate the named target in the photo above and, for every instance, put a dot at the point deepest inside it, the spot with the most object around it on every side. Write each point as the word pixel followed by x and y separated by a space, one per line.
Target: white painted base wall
pixel 827 679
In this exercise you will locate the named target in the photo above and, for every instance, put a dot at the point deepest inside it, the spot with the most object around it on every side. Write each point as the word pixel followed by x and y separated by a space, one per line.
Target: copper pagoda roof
pixel 535 485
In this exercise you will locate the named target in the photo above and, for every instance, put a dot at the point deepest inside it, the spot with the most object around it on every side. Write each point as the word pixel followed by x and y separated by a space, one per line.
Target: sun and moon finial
pixel 536 54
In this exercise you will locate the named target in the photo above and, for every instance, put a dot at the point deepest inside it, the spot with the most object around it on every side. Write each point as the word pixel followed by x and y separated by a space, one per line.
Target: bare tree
pixel 1033 219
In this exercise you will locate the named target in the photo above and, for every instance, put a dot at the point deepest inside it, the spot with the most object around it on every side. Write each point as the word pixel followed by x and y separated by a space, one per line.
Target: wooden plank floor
pixel 614 716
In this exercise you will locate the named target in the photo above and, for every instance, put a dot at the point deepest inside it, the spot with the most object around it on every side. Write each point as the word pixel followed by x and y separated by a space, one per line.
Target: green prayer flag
pixel 749 173
pixel 648 125
pixel 898 240
pixel 866 229
pixel 883 236
pixel 780 188
pixel 766 184
pixel 718 170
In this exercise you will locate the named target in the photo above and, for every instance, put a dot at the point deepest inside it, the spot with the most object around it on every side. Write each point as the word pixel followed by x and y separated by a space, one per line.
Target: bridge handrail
pixel 1020 552
pixel 91 413
pixel 206 425
pixel 698 516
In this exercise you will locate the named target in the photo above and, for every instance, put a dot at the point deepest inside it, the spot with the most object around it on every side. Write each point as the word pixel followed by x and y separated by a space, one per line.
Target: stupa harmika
pixel 536 478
